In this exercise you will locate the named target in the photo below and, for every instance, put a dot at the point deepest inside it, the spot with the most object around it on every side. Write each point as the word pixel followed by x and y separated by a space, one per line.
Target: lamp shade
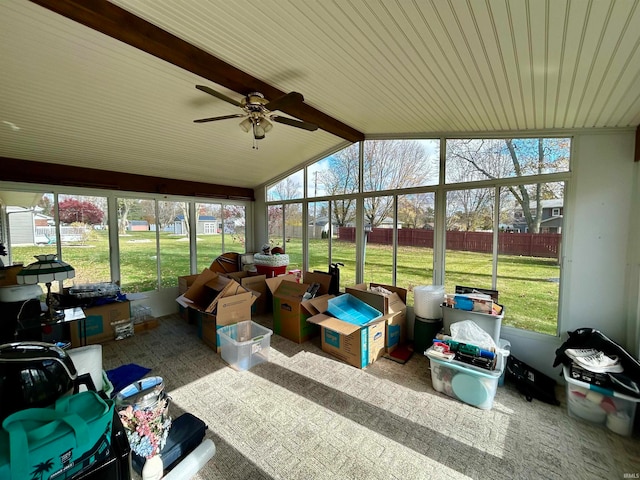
pixel 46 270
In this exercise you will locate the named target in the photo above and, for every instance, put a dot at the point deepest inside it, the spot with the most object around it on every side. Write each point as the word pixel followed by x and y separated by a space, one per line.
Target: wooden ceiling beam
pixel 26 171
pixel 114 21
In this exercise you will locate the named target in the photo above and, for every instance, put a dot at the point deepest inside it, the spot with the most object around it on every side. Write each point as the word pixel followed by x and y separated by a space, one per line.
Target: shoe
pixel 595 361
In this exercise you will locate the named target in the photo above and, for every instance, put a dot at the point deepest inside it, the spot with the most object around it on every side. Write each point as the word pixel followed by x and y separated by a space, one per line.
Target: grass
pixel 528 286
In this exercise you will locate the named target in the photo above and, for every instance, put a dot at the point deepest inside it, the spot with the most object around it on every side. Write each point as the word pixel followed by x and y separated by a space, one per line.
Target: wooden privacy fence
pixel 545 245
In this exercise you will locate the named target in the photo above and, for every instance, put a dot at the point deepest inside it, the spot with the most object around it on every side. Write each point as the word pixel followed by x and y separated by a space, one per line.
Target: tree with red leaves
pixel 75 211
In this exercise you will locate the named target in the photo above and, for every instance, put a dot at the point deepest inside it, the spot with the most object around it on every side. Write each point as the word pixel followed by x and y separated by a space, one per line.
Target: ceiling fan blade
pixel 284 101
pixel 295 123
pixel 224 117
pixel 219 95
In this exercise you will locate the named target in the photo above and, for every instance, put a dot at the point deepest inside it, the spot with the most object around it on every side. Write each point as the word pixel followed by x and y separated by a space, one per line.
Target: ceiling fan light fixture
pixel 246 124
pixel 266 124
pixel 258 131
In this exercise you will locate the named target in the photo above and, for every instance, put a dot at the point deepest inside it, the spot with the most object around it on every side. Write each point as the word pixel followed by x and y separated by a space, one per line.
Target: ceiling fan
pixel 258 112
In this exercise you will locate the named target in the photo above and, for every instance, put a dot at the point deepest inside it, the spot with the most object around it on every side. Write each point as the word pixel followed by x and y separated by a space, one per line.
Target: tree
pixel 46 204
pixel 72 210
pixel 469 160
pixel 124 207
pixel 416 211
pixel 287 189
pixel 389 165
pixel 338 178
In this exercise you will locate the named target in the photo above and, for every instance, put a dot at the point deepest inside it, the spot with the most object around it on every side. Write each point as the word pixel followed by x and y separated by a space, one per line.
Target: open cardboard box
pixel 217 301
pixel 393 308
pixel 357 345
pixel 290 311
pixel 255 283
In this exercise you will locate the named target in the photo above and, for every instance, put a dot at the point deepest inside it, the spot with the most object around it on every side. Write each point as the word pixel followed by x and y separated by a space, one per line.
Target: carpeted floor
pixel 305 415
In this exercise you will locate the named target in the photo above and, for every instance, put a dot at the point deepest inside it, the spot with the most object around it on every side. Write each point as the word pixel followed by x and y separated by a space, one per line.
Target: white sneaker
pixel 595 361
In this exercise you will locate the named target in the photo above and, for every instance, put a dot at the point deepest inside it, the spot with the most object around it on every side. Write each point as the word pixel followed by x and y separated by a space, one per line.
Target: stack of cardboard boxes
pixel 213 300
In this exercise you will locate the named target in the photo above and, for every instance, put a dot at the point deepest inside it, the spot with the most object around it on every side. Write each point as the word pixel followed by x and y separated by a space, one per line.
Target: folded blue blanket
pixel 125 375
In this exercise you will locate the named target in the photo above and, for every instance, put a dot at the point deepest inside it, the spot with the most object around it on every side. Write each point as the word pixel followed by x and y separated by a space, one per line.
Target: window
pixel 334 175
pixel 234 233
pixel 501 204
pixel 84 237
pixel 173 250
pixel 416 217
pixel 395 164
pixel 208 233
pixel 528 264
pixel 288 189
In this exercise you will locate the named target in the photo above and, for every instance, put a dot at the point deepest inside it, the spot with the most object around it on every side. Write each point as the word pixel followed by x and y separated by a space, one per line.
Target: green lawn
pixel 528 286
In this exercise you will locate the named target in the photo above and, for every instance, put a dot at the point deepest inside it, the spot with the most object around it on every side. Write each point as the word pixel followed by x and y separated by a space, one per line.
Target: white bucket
pixel 427 300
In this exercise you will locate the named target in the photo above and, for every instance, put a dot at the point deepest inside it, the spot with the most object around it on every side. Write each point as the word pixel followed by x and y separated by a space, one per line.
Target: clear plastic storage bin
pixel 600 406
pixel 244 344
pixel 470 384
pixel 487 322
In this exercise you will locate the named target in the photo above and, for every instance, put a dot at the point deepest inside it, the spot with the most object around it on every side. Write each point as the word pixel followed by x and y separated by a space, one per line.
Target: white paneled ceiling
pixel 74 96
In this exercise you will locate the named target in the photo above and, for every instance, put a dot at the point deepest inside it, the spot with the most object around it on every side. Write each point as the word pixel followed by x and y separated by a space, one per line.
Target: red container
pixel 271 271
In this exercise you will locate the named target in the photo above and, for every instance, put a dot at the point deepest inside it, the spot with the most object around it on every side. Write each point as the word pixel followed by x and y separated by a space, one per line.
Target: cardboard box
pixel 290 311
pixel 98 323
pixel 230 310
pixel 207 289
pixel 255 283
pixel 185 282
pixel 149 324
pixel 393 308
pixel 8 275
pixel 216 301
pixel 356 345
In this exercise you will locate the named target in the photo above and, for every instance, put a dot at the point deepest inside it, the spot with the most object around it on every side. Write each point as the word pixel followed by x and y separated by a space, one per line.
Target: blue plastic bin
pixel 350 309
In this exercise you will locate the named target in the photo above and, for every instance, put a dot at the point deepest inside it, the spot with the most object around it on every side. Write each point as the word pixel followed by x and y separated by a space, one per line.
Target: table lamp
pixel 46 270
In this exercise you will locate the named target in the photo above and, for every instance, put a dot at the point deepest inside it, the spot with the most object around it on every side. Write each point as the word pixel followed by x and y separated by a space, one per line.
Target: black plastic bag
pixel 627 382
pixel 531 382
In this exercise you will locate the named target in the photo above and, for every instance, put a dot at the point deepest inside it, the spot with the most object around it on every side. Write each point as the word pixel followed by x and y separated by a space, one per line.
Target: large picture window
pixel 498 212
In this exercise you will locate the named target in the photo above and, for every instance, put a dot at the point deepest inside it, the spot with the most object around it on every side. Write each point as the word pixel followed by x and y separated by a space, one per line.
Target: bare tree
pixel 287 189
pixel 469 160
pixel 339 178
pixel 389 165
pixel 124 207
pixel 416 211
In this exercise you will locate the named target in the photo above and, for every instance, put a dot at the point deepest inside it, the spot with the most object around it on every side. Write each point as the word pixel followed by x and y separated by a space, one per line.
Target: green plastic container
pixel 424 331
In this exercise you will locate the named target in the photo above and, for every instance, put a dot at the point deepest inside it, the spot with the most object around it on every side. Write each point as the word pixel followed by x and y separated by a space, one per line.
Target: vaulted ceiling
pixel 111 85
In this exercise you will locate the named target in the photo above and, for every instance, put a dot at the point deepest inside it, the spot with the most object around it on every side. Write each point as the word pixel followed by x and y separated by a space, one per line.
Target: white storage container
pixel 467 383
pixel 489 323
pixel 244 344
pixel 595 404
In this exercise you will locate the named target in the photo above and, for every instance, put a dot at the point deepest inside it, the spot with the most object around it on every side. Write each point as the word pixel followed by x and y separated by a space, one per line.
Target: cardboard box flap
pixel 379 301
pixel 197 292
pixel 207 288
pixel 274 283
pixel 291 291
pixel 332 323
pixel 324 279
pixel 183 301
pixel 402 292
pixel 395 303
pixel 321 303
pixel 231 289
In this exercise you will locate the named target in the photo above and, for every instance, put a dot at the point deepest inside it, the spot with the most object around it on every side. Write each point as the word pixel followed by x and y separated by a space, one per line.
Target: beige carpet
pixel 305 415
